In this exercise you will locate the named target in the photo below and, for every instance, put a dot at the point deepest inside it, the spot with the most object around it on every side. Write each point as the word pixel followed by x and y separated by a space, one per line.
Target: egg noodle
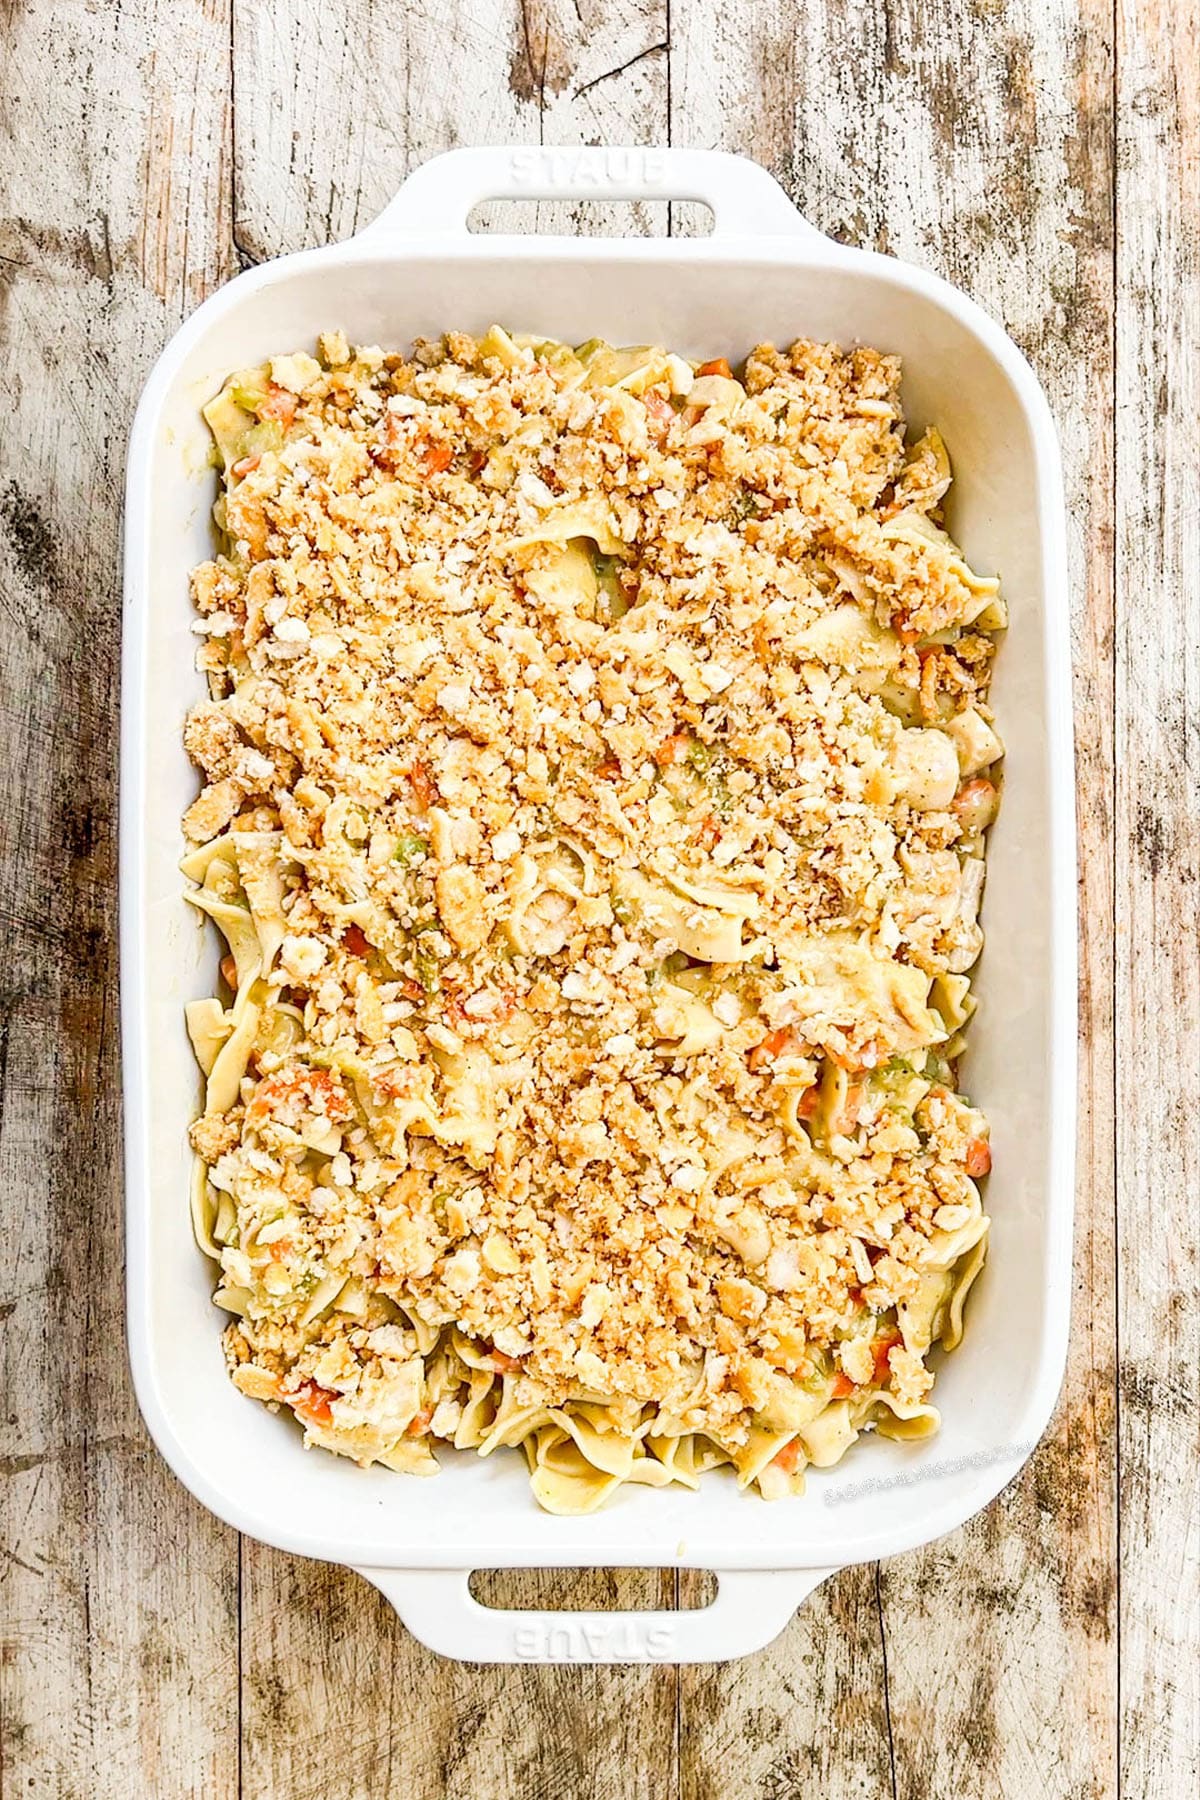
pixel 595 788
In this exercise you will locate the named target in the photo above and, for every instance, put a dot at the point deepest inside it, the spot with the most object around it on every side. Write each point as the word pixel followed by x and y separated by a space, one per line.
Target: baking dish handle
pixel 751 1607
pixel 438 196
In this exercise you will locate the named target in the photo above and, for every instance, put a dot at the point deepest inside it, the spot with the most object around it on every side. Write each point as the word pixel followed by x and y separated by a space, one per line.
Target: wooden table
pixel 1045 156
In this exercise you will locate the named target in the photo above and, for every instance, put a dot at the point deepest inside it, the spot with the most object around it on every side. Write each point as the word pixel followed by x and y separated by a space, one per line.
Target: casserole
pixel 764 273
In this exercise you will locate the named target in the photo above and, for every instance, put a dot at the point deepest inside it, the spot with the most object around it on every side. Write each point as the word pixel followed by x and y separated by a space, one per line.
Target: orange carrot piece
pixel 672 749
pixel 280 404
pixel 979 1157
pixel 776 1043
pixel 882 1349
pixel 437 458
pixel 425 789
pixel 313 1403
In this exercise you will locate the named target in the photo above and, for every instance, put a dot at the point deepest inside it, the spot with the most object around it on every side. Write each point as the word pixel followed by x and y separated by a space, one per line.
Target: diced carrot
pixel 313 1403
pixel 425 789
pixel 609 769
pixel 849 1114
pixel 316 1090
pixel 245 465
pixel 229 971
pixel 709 831
pixel 503 1364
pixel 842 1387
pixel 280 404
pixel 280 1250
pixel 776 1043
pixel 436 458
pixel 485 1008
pixel 788 1459
pixel 418 1425
pixel 718 366
pixel 672 750
pixel 882 1349
pixel 979 1157
pixel 661 414
pixel 808 1102
pixel 355 940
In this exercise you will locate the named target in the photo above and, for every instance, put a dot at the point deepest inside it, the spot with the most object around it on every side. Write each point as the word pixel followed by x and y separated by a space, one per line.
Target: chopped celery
pixel 260 438
pixel 722 799
pixel 611 600
pixel 429 970
pixel 248 398
pixel 556 354
pixel 410 849
pixel 610 365
pixel 700 756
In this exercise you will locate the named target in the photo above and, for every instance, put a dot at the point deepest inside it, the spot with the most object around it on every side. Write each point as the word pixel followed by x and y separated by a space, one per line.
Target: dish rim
pixel 382 242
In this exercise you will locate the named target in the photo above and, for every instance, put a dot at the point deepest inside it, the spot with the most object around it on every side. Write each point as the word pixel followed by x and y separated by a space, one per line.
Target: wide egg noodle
pixel 852 1037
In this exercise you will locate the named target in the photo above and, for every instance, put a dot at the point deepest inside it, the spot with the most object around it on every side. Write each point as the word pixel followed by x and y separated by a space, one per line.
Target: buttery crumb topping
pixel 595 778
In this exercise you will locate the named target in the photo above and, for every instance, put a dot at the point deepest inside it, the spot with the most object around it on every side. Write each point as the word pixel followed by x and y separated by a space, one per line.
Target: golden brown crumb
pixel 586 768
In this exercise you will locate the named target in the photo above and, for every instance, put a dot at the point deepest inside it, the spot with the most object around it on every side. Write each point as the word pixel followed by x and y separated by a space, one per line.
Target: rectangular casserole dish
pixel 763 274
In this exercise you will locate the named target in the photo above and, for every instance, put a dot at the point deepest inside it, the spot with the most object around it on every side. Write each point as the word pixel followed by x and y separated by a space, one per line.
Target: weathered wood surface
pixel 1157 719
pixel 150 148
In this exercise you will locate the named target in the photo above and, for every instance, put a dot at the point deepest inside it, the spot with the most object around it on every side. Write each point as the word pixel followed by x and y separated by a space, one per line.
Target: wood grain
pixel 1158 815
pixel 1044 157
pixel 119 1593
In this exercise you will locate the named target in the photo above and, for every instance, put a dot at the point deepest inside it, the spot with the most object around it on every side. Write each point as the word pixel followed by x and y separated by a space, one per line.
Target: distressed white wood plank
pixel 977 142
pixel 341 1704
pixel 118 1594
pixel 1158 817
pixel 806 1716
pixel 334 105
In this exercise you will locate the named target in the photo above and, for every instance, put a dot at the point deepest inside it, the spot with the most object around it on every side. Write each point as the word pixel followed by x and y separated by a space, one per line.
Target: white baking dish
pixel 764 273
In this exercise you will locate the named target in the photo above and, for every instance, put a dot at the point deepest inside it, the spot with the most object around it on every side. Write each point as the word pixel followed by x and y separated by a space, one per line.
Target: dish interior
pixel 995 1392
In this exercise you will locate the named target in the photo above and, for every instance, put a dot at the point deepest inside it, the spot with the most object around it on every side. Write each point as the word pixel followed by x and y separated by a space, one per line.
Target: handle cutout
pixel 587 1590
pixel 739 198
pixel 749 1609
pixel 592 218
